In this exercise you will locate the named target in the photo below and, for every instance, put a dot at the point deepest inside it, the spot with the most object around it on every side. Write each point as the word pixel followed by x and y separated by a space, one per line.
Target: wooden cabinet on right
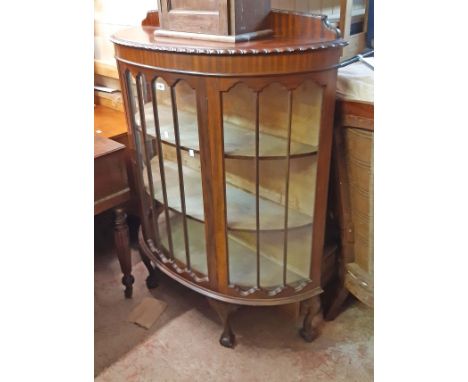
pixel 354 144
pixel 352 186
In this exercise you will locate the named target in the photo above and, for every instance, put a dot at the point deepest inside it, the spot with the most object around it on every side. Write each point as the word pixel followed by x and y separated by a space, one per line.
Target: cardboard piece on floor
pixel 147 312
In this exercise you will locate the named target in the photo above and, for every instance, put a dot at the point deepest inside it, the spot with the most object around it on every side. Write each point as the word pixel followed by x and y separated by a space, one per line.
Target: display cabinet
pixel 232 144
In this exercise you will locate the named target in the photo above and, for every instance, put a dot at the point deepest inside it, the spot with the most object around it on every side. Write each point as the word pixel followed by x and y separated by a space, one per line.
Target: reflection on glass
pixel 136 122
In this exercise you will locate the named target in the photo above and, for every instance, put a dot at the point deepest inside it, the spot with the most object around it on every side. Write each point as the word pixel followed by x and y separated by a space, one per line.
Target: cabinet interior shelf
pixel 241 214
pixel 238 140
pixel 242 252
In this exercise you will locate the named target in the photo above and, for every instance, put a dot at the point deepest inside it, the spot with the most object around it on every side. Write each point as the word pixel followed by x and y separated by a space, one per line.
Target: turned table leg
pixel 224 312
pixel 312 307
pixel 122 244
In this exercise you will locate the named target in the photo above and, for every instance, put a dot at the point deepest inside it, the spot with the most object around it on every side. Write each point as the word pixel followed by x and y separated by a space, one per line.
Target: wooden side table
pixel 110 123
pixel 111 190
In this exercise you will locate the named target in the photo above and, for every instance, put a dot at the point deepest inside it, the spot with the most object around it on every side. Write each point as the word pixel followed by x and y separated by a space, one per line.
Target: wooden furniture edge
pixel 355 114
pixel 105 146
pixel 108 202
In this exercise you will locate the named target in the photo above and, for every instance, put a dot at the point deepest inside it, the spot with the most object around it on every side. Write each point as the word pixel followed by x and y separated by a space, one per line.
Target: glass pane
pixel 243 269
pixel 302 188
pixel 306 118
pixel 137 130
pixel 182 177
pixel 187 114
pixel 186 133
pixel 239 121
pixel 273 175
pixel 145 122
pixel 239 107
pixel 152 155
pixel 274 119
pixel 166 124
pixel 197 240
pixel 306 123
pixel 270 189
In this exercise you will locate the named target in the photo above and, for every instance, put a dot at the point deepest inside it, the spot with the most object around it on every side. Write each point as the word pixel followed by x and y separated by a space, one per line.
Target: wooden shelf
pixel 239 142
pixel 240 204
pixel 242 256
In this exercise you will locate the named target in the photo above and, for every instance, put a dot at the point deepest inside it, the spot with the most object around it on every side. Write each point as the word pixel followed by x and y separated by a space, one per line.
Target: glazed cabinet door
pixel 196 16
pixel 164 122
pixel 271 144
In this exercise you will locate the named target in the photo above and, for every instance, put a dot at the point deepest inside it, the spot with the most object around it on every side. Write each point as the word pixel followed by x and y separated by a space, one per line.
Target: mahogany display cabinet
pixel 232 145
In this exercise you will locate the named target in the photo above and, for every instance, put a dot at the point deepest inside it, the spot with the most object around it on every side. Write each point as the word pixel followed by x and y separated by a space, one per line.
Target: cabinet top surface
pixel 292 33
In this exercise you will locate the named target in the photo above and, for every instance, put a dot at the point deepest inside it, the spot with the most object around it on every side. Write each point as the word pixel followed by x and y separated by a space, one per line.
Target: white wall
pixel 113 15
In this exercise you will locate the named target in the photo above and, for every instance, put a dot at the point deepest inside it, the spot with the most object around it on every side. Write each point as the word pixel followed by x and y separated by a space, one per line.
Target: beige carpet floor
pixel 183 344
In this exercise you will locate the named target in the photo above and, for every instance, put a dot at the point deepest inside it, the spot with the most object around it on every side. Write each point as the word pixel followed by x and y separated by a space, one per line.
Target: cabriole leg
pixel 151 280
pixel 312 307
pixel 122 244
pixel 224 312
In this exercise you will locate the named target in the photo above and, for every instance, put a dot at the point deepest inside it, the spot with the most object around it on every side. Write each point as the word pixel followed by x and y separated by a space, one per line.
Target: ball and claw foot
pixel 224 311
pixel 228 339
pixel 152 281
pixel 309 330
pixel 308 335
pixel 128 281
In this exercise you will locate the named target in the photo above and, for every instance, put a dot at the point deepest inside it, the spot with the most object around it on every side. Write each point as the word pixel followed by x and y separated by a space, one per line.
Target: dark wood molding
pixel 230 51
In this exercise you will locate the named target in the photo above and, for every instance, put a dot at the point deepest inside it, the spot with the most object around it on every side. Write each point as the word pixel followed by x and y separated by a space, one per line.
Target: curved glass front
pixel 271 139
pixel 271 142
pixel 165 118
